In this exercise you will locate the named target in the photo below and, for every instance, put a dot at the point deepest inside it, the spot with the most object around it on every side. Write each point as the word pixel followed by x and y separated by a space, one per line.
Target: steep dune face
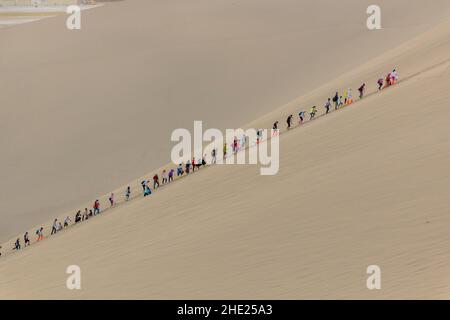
pixel 84 112
pixel 367 185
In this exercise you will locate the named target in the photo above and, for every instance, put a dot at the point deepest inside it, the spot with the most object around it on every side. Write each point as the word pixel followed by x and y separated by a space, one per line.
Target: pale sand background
pixel 12 16
pixel 84 112
pixel 365 185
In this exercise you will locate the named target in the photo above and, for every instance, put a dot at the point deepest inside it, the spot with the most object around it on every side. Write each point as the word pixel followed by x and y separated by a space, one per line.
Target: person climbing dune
pixel 312 113
pixel 111 199
pixel 17 245
pixel 349 96
pixel 289 121
pixel 327 106
pixel 147 191
pixel 336 101
pixel 301 117
pixel 128 193
pixel 362 90
pixel 155 182
pixel 26 239
pixel 380 83
pixel 275 130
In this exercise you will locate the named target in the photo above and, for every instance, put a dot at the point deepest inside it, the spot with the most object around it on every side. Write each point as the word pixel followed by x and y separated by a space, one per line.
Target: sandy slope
pixel 365 185
pixel 84 112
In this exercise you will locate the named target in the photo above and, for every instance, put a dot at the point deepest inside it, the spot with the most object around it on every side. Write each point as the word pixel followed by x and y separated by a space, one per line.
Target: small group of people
pixel 56 226
pixel 83 216
pixel 339 101
pixel 391 79
pixel 239 143
pixel 167 176
pixel 26 241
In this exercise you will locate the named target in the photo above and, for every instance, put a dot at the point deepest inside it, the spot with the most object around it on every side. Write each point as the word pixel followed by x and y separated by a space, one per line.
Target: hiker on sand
pixel 312 112
pixel 40 234
pixel 225 149
pixel 196 164
pixel 96 207
pixel 327 106
pixel 147 191
pixel 26 239
pixel 394 77
pixel 78 217
pixel 164 177
pixel 155 181
pixel 54 227
pixel 349 96
pixel 171 172
pixel 200 162
pixel 275 128
pixel 388 80
pixel 234 145
pixel 67 221
pixel 301 117
pixel 111 199
pixel 336 101
pixel 289 121
pixel 380 83
pixel 243 141
pixel 213 156
pixel 259 133
pixel 188 166
pixel 340 103
pixel 143 184
pixel 127 193
pixel 180 171
pixel 362 90
pixel 17 244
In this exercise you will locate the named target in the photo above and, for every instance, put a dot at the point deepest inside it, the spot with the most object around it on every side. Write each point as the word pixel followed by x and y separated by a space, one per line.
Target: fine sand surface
pixel 84 112
pixel 12 16
pixel 366 185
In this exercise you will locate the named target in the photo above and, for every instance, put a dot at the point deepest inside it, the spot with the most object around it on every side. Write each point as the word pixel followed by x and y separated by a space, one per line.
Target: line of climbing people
pixel 183 169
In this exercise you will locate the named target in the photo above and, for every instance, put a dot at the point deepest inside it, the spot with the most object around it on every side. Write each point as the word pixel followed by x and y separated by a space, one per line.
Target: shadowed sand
pixel 365 185
pixel 83 112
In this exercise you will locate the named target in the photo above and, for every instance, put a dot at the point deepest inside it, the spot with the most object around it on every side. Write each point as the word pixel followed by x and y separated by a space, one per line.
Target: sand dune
pixel 365 185
pixel 84 112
